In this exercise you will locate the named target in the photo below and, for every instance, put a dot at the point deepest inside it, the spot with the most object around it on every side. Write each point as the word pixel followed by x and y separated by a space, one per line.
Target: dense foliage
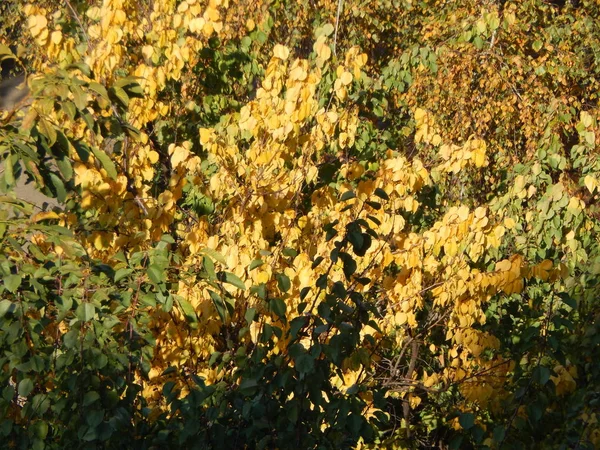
pixel 307 224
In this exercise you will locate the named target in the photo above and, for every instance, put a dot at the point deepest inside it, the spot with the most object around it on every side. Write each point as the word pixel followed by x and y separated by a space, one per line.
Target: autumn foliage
pixel 307 224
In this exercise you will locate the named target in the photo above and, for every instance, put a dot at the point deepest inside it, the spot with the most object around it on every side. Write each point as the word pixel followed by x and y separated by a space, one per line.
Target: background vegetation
pixel 308 224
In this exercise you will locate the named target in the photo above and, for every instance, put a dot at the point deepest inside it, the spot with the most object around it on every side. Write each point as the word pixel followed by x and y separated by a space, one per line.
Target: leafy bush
pixel 361 225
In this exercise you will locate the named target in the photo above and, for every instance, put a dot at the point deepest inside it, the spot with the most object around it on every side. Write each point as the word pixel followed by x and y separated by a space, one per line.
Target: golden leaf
pixel 586 119
pixel 346 78
pixel 503 266
pixel 509 223
pixel 591 183
pixel 281 52
pixel 56 37
pixel 298 73
pixel 46 215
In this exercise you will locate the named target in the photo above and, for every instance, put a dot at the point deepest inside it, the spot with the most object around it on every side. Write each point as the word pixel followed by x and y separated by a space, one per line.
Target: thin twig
pixel 76 16
pixel 337 24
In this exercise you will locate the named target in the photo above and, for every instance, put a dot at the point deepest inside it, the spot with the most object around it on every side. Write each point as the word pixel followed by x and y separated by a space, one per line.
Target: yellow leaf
pixel 322 48
pixel 503 266
pixel 346 78
pixel 153 157
pixel 298 73
pixel 94 13
pixel 420 114
pixel 56 37
pixel 114 35
pixel 509 223
pixel 147 51
pixel 196 25
pixel 46 215
pixel 207 133
pixel 281 52
pixel 478 156
pixel 400 318
pixel 178 156
pixel 586 119
pixel 37 24
pixel 591 183
pixel 499 231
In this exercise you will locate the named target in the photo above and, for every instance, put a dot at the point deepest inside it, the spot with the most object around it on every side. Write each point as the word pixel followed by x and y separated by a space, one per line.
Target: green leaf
pixel 79 97
pixel 366 244
pixel 466 420
pixel 120 96
pixel 122 273
pixel 156 274
pixel 61 192
pixel 296 325
pixel 209 267
pixel 567 299
pixel 82 67
pixel 188 310
pixel 85 312
pixel 256 263
pixel 90 398
pixel 94 418
pixel 304 363
pixel 219 305
pixel 260 291
pixel 214 255
pixel 535 412
pixel 234 280
pixel 41 404
pixel 283 282
pixel 374 205
pixel 99 89
pixel 248 386
pixel 63 162
pixel 381 194
pixel 69 108
pixel 542 375
pixel 12 283
pixel 66 170
pixel 83 151
pixel 278 306
pixel 134 90
pixel 25 387
pixel 48 131
pixel 347 196
pixel 349 265
pixel 127 82
pixel 322 281
pixel 40 429
pixel 169 370
pixel 292 412
pixel 316 262
pixel 106 162
pixel 149 299
pixel 250 315
pixel 101 361
pixel 261 37
pixel 9 175
pixel 499 433
pixel 8 393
